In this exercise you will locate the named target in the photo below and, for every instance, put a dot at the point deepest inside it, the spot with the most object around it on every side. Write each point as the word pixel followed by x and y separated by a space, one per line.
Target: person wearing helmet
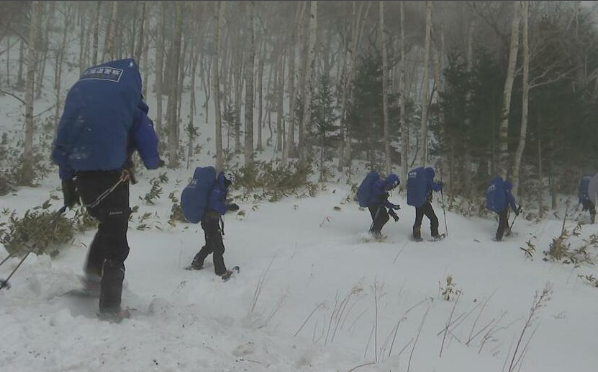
pixel 426 209
pixel 213 227
pixel 503 216
pixel 381 208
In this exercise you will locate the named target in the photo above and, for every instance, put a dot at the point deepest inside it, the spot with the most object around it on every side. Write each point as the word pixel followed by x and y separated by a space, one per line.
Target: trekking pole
pixel 444 211
pixel 443 205
pixel 4 282
pixel 514 219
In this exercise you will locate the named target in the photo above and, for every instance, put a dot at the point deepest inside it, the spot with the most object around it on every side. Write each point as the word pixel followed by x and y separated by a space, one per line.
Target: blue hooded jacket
pixel 430 184
pixel 217 198
pixel 510 198
pixel 381 188
pixel 105 120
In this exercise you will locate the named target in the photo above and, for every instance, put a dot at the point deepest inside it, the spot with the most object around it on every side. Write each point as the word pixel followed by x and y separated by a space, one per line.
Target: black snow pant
pixel 379 218
pixel 428 211
pixel 589 206
pixel 214 244
pixel 503 223
pixel 109 248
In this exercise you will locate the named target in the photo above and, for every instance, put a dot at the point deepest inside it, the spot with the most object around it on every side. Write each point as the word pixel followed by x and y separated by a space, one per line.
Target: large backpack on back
pixel 417 187
pixel 496 198
pixel 584 192
pixel 365 190
pixel 194 199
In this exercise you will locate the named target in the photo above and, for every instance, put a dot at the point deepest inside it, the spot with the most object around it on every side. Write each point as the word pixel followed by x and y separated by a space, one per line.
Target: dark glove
pixel 396 207
pixel 394 215
pixel 232 207
pixel 70 194
pixel 518 211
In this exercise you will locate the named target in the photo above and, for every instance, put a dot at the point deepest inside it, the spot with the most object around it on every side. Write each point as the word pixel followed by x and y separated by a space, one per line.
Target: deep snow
pixel 312 261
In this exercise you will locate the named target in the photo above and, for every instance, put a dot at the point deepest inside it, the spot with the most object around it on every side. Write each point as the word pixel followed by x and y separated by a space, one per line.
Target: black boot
pixel 197 263
pixel 417 232
pixel 111 287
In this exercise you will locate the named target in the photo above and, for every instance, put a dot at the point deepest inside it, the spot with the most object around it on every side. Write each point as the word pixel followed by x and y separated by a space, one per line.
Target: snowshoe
pixel 229 273
pixel 438 237
pixel 115 317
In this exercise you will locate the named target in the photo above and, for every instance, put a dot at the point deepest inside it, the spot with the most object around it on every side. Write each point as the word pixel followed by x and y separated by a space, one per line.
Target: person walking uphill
pixel 498 200
pixel 420 185
pixel 373 193
pixel 584 197
pixel 205 200
pixel 104 121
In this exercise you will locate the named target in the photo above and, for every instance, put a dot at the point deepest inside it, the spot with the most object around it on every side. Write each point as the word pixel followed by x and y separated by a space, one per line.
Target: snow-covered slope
pixel 328 301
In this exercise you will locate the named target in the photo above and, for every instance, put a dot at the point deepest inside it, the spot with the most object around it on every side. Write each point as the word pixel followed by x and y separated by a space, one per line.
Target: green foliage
pixel 176 211
pixel 21 234
pixel 275 181
pixel 560 249
pixel 156 190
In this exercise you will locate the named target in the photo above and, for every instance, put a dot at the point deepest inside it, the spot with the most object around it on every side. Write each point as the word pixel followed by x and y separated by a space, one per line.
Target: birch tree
pixel 525 99
pixel 313 28
pixel 36 9
pixel 508 88
pixel 248 151
pixel 109 42
pixel 402 102
pixel 173 124
pixel 218 18
pixel 425 88
pixel 96 33
pixel 385 90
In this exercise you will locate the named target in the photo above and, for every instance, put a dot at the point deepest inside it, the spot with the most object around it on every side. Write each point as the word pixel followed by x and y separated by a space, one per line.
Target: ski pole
pixel 4 282
pixel 515 219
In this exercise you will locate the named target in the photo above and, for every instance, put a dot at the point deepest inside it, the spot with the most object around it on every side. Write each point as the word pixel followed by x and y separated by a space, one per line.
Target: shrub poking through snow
pixel 449 291
pixel 590 279
pixel 21 234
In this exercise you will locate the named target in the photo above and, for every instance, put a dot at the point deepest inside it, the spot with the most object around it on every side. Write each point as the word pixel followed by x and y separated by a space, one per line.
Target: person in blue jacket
pixel 503 216
pixel 584 197
pixel 426 209
pixel 381 207
pixel 213 227
pixel 103 123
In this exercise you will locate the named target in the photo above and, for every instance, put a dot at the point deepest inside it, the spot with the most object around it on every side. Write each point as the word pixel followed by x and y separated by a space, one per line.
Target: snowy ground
pixel 309 257
pixel 328 301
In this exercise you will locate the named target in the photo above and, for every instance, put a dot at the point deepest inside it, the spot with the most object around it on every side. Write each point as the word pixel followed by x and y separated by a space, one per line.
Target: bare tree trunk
pixel 139 46
pixel 20 81
pixel 425 89
pixel 384 91
pixel 260 89
pixel 289 150
pixel 145 61
pixel 540 175
pixel 313 28
pixel 503 135
pixel 82 39
pixel 27 175
pixel 173 124
pixel 110 41
pixel 525 103
pixel 192 104
pixel 218 18
pixel 159 78
pixel 96 33
pixel 467 173
pixel 207 88
pixel 58 66
pixel 402 104
pixel 249 89
pixel 280 98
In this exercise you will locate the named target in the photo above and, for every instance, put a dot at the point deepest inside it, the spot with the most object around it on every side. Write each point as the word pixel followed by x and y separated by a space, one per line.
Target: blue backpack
pixel 417 187
pixel 584 192
pixel 496 198
pixel 194 198
pixel 365 190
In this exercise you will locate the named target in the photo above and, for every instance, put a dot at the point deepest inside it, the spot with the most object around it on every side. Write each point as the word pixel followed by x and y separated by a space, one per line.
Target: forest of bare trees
pixel 474 88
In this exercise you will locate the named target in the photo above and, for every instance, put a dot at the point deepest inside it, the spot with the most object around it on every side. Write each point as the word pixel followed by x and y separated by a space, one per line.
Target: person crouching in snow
pixel 503 216
pixel 213 226
pixel 378 208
